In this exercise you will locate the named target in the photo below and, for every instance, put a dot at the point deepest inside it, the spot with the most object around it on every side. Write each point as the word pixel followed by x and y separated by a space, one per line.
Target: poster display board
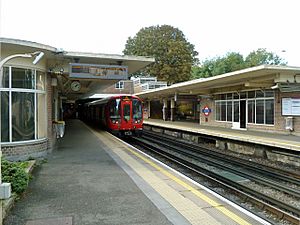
pixel 290 106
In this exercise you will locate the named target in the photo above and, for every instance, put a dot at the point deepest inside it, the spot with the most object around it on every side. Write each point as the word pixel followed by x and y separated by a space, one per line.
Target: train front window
pixel 137 109
pixel 126 112
pixel 114 109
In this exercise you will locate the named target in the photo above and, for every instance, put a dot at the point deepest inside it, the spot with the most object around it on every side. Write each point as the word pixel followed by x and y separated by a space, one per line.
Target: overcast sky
pixel 215 27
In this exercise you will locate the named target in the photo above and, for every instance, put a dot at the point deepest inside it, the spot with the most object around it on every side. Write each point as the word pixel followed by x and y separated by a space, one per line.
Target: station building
pixel 263 98
pixel 33 96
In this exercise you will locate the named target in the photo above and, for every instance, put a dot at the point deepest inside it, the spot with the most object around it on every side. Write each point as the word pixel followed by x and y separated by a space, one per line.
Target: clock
pixel 75 85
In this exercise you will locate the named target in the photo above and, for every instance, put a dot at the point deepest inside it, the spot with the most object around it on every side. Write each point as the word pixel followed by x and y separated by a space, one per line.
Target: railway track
pixel 277 179
pixel 224 170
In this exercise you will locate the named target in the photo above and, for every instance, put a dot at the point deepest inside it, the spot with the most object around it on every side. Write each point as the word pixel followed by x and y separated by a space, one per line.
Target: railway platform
pixel 284 141
pixel 94 178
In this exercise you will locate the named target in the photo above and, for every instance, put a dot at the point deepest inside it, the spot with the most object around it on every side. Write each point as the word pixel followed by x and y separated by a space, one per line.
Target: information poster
pixel 290 106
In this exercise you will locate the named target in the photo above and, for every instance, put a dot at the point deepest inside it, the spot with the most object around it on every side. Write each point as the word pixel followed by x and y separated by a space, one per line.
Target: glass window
pixel 114 109
pixel 269 111
pixel 218 109
pixel 23 113
pixel 269 93
pixel 5 78
pixel 119 85
pixel 243 95
pixel 251 111
pixel 229 111
pixel 236 96
pixel 260 94
pixel 260 106
pixel 22 110
pixel 260 118
pixel 229 96
pixel 251 94
pixel 4 116
pixel 126 112
pixel 236 108
pixel 137 109
pixel 23 78
pixel 223 111
pixel 40 80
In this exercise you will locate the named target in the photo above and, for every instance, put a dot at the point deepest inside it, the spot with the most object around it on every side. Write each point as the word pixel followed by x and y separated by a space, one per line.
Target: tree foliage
pixel 174 55
pixel 234 61
pixel 261 57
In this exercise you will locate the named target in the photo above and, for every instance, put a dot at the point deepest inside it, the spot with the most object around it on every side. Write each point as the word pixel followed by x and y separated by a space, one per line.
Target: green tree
pixel 231 62
pixel 234 61
pixel 261 57
pixel 174 55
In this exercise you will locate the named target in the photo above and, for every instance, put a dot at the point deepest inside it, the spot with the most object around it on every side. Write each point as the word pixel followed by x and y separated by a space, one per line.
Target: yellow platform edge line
pixel 205 198
pixel 210 201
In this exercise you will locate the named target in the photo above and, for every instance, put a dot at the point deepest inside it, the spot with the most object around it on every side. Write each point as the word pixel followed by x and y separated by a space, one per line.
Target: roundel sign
pixel 206 110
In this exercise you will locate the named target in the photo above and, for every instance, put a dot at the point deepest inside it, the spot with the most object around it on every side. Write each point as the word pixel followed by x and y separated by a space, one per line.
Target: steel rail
pixel 269 203
pixel 216 162
pixel 258 168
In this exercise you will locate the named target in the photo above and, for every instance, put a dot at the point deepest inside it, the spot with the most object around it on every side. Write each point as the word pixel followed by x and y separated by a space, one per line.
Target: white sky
pixel 215 27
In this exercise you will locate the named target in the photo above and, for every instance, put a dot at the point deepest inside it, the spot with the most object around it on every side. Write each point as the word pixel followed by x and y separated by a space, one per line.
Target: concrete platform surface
pixel 81 184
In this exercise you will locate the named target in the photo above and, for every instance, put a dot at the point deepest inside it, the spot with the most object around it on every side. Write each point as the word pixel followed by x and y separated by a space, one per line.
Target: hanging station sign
pixel 96 71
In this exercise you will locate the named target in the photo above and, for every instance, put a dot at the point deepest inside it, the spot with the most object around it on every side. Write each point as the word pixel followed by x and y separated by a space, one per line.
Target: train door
pixel 126 121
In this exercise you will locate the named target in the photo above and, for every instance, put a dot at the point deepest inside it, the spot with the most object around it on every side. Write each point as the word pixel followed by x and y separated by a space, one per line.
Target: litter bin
pixel 59 128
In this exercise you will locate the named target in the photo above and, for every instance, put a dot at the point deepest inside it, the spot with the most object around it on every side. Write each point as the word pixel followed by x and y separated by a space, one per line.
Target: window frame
pixel 120 85
pixel 223 98
pixel 35 91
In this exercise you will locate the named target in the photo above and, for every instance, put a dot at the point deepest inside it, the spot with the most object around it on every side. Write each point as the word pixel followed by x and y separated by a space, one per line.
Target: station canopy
pixel 284 78
pixel 76 75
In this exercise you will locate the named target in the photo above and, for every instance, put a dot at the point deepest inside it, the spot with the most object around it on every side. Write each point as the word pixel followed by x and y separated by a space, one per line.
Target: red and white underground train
pixel 121 115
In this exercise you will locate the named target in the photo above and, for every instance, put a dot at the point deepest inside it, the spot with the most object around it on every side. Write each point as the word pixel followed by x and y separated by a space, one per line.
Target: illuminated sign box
pixel 96 71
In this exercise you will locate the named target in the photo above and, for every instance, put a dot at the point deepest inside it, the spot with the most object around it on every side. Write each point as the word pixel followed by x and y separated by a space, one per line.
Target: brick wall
pixel 24 151
pixel 128 89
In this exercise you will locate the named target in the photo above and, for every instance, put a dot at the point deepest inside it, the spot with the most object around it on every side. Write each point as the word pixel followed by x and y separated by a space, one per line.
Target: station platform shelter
pixel 39 85
pixel 264 98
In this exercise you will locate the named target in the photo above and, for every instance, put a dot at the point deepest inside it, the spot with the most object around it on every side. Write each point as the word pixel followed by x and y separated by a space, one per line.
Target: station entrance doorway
pixel 239 114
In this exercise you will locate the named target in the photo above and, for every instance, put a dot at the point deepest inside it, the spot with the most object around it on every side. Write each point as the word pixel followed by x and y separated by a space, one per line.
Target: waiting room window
pixel 23 105
pixel 119 85
pixel 251 111
pixel 260 115
pixel 260 106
